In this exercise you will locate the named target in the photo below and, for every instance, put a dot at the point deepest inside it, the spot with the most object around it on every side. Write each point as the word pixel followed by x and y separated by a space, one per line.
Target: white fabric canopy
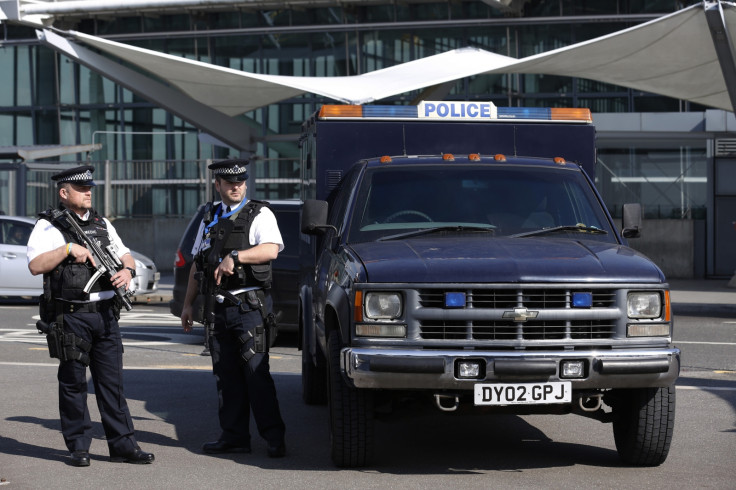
pixel 673 56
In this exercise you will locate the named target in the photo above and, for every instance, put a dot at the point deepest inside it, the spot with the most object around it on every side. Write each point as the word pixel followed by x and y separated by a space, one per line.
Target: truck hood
pixel 464 259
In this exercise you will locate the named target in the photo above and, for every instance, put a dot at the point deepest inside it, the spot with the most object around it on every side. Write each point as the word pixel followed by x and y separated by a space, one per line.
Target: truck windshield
pixel 495 200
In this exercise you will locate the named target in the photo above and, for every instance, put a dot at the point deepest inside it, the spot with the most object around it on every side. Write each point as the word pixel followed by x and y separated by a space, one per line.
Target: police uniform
pixel 91 319
pixel 243 385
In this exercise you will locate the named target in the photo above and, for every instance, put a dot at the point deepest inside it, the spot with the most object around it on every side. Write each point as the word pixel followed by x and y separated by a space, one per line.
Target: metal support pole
pixel 108 189
pixel 723 46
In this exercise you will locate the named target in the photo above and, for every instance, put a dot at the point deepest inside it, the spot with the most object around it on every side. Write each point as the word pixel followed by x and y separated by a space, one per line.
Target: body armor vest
pixel 227 235
pixel 68 279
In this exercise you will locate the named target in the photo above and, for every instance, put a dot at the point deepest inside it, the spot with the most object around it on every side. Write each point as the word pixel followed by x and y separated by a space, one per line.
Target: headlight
pixel 645 304
pixel 382 305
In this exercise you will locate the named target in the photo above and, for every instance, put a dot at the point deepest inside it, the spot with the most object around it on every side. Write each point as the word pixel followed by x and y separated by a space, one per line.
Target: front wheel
pixel 351 415
pixel 645 420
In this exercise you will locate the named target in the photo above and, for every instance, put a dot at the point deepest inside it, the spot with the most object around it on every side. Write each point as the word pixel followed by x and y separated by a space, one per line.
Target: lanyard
pixel 224 216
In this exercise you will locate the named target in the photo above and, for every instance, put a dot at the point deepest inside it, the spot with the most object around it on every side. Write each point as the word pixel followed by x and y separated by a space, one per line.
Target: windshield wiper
pixel 427 231
pixel 579 229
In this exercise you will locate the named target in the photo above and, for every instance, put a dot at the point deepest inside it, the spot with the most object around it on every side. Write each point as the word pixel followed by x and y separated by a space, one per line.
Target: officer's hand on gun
pixel 80 254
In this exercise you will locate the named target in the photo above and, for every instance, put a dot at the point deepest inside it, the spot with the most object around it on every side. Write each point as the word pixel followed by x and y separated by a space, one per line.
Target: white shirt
pixel 264 229
pixel 46 237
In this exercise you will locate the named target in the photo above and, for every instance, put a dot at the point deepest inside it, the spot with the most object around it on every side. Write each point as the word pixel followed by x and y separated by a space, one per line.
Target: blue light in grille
pixel 582 300
pixel 454 300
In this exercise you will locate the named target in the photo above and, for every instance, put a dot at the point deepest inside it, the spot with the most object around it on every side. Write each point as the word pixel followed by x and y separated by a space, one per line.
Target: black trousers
pixel 106 366
pixel 243 386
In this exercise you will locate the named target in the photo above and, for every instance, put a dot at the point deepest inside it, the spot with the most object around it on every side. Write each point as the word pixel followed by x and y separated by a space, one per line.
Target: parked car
pixel 17 280
pixel 182 265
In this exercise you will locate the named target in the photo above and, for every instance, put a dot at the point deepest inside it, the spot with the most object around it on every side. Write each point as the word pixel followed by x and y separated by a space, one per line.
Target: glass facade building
pixel 47 99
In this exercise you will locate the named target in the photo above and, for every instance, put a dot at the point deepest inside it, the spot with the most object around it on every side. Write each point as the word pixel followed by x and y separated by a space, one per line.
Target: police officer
pixel 241 237
pixel 89 318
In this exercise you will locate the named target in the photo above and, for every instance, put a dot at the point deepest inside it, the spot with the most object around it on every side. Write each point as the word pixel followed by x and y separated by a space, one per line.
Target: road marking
pixel 704 343
pixel 174 367
pixel 707 388
pixel 170 336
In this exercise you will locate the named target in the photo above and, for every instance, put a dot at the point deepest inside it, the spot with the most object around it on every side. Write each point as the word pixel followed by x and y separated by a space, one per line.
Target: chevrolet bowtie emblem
pixel 521 314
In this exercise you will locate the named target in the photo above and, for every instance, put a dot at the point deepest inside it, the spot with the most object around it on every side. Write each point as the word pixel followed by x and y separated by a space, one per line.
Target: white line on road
pixel 704 343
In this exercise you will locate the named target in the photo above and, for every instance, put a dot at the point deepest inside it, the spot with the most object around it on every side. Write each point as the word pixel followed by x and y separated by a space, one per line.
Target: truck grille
pixel 506 331
pixel 493 327
pixel 511 298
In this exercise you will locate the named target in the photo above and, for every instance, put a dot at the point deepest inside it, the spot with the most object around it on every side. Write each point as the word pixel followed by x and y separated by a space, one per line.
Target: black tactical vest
pixel 227 235
pixel 68 279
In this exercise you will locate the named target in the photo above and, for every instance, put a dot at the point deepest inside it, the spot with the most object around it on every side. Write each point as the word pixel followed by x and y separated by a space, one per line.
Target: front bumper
pixel 436 370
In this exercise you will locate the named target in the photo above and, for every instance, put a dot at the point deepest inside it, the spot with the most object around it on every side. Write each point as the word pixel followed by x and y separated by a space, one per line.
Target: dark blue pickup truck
pixel 471 261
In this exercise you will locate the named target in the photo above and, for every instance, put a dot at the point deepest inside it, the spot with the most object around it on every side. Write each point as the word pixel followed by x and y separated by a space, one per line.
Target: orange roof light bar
pixel 341 111
pixel 456 111
pixel 570 114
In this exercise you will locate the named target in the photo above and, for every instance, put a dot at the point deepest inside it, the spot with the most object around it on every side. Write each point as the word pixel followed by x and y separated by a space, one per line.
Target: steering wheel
pixel 407 212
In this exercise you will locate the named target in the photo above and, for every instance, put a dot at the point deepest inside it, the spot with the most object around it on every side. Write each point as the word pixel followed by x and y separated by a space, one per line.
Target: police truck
pixel 459 254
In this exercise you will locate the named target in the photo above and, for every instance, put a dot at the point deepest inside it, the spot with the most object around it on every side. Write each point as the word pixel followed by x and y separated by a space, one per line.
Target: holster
pixel 64 346
pixel 259 339
pixel 257 300
pixel 253 342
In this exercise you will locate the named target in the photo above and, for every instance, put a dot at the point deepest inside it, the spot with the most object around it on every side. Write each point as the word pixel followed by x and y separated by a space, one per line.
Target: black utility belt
pixel 68 307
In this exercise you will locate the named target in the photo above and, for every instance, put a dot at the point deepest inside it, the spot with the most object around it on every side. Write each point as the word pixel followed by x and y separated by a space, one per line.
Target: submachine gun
pixel 107 260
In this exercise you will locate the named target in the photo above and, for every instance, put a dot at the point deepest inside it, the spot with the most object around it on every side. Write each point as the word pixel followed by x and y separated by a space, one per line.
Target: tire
pixel 351 415
pixel 645 420
pixel 314 377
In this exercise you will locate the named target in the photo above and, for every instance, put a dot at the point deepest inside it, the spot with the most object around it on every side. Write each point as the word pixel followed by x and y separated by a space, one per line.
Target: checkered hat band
pixel 82 177
pixel 236 170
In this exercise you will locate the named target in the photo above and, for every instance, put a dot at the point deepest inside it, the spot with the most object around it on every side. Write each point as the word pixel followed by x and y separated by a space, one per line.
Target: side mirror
pixel 631 226
pixel 314 217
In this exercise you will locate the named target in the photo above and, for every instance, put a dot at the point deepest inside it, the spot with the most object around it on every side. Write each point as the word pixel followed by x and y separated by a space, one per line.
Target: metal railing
pixel 143 189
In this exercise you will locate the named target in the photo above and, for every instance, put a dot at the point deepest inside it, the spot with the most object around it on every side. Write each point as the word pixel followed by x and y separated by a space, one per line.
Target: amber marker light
pixel 340 111
pixel 358 307
pixel 570 114
pixel 499 157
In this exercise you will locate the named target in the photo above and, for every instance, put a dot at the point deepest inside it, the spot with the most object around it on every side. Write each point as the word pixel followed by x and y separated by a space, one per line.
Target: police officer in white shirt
pixel 237 241
pixel 90 319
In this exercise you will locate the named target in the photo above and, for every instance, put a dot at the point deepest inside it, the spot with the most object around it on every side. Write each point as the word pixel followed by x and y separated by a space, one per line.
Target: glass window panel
pixel 24 130
pixel 23 76
pixel 7 76
pixel 67 128
pixel 7 130
pixel 668 182
pixel 649 103
pixel 66 81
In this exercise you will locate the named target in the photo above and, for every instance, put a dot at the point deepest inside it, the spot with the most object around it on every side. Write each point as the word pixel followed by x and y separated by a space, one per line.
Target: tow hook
pixel 446 403
pixel 590 403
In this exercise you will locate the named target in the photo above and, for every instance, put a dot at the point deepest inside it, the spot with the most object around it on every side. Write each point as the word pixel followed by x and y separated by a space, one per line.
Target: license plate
pixel 523 393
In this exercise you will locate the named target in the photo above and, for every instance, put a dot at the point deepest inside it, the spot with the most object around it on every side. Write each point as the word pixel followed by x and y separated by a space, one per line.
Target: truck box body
pixel 475 263
pixel 337 145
